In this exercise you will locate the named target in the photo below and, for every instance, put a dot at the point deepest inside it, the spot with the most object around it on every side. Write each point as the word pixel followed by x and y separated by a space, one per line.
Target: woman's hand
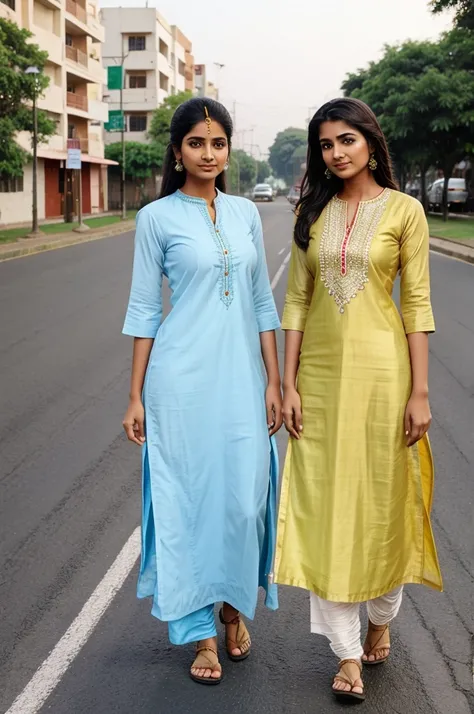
pixel 292 415
pixel 134 421
pixel 417 418
pixel 274 408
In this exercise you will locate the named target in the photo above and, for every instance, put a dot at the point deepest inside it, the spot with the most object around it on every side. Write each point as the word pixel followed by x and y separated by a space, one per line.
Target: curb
pixel 445 249
pixel 64 240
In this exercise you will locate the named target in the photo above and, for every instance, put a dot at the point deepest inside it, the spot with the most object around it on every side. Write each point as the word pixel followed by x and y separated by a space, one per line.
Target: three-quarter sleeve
pixel 264 304
pixel 415 302
pixel 299 291
pixel 145 306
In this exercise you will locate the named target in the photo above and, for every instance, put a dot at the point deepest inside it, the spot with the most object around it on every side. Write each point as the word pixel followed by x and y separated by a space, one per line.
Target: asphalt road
pixel 69 500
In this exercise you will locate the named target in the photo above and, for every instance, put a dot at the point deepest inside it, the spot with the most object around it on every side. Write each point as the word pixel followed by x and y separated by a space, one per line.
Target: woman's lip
pixel 206 166
pixel 341 166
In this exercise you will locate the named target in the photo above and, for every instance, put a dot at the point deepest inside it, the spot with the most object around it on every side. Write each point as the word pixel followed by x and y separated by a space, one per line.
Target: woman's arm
pixel 273 394
pixel 418 413
pixel 292 415
pixel 134 419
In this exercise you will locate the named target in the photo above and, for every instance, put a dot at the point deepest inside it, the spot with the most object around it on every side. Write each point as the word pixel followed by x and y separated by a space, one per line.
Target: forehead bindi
pixel 203 131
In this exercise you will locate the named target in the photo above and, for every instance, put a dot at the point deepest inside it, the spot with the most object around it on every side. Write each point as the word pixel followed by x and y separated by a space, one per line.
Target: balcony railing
pixel 77 10
pixel 75 55
pixel 77 101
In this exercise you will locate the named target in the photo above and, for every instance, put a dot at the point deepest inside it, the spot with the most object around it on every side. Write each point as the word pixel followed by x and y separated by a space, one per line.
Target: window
pixel 164 82
pixel 163 49
pixel 136 43
pixel 11 5
pixel 137 122
pixel 137 81
pixel 9 184
pixel 68 40
pixel 181 67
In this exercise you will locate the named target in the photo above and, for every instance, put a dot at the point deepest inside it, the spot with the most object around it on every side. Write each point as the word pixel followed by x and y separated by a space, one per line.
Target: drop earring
pixel 178 166
pixel 328 174
pixel 373 163
pixel 226 166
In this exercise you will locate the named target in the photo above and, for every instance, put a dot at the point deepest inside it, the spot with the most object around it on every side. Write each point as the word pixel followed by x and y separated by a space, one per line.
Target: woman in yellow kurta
pixel 354 520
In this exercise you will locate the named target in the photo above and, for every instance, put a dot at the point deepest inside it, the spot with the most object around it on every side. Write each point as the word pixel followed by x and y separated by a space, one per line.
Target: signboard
pixel 73 154
pixel 116 121
pixel 73 159
pixel 114 78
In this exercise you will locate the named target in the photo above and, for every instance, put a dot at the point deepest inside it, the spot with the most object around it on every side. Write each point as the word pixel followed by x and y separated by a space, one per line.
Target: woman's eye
pixel 348 141
pixel 325 147
pixel 194 144
pixel 220 145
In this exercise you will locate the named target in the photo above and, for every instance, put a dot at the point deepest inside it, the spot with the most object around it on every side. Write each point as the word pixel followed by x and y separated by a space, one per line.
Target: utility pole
pixel 35 230
pixel 122 120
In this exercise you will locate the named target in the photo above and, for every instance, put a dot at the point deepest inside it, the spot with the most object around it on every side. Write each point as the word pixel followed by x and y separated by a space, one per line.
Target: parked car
pixel 294 195
pixel 457 194
pixel 262 192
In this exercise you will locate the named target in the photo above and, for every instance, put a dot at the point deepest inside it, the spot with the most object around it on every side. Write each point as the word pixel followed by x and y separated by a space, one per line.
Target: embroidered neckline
pixel 196 199
pixel 343 253
pixel 379 197
pixel 226 283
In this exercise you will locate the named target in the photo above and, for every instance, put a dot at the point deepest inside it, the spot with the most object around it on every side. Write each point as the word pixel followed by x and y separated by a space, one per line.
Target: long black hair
pixel 185 117
pixel 316 189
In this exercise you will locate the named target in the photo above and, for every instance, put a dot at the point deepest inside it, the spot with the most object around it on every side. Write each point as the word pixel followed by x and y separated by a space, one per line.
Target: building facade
pixel 202 86
pixel 157 61
pixel 72 34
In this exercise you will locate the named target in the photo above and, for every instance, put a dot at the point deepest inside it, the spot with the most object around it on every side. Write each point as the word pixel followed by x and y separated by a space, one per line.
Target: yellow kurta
pixel 354 509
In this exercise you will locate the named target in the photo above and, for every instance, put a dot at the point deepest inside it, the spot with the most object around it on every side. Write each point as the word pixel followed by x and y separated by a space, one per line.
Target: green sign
pixel 114 78
pixel 116 120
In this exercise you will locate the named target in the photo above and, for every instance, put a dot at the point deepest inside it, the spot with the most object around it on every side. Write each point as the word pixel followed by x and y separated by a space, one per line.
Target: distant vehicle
pixel 457 194
pixel 262 192
pixel 294 195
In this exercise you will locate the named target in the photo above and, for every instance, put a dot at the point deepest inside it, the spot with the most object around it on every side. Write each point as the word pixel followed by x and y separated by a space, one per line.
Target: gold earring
pixel 178 166
pixel 226 166
pixel 328 174
pixel 373 163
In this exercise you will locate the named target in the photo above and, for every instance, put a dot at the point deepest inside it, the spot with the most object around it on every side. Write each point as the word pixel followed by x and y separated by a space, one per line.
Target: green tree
pixel 17 90
pixel 141 160
pixel 161 120
pixel 263 171
pixel 464 11
pixel 242 173
pixel 422 93
pixel 282 153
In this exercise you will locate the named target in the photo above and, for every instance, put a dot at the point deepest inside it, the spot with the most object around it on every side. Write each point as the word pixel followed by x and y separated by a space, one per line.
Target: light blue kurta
pixel 209 467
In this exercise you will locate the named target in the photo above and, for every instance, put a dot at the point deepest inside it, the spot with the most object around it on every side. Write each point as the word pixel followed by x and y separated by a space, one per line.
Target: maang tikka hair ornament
pixel 207 120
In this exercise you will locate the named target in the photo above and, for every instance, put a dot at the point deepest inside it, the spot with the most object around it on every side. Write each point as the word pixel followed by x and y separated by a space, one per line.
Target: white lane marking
pixel 280 272
pixel 48 676
pixel 50 673
pixel 281 251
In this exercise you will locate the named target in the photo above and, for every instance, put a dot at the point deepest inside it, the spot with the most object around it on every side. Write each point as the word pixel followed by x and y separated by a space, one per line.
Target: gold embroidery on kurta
pixel 344 252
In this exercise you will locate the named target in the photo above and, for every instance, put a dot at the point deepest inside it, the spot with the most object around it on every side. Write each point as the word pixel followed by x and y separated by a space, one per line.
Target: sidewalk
pixel 30 246
pixel 463 250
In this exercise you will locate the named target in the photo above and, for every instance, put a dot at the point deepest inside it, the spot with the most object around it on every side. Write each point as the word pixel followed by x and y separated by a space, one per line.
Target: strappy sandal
pixel 341 677
pixel 204 661
pixel 241 640
pixel 376 647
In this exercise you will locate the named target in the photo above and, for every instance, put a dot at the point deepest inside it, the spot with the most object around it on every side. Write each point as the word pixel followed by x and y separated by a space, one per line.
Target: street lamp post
pixel 35 230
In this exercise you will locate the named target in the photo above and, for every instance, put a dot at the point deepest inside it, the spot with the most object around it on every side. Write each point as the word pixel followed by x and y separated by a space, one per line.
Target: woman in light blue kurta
pixel 209 457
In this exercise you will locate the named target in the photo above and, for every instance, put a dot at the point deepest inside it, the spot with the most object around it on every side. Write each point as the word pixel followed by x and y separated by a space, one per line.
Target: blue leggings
pixel 198 625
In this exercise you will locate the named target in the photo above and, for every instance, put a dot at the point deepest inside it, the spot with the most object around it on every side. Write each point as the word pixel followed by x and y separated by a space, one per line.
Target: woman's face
pixel 345 150
pixel 204 151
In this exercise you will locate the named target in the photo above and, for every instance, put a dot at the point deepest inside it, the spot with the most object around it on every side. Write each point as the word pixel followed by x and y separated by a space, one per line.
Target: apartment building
pixel 203 87
pixel 71 32
pixel 157 60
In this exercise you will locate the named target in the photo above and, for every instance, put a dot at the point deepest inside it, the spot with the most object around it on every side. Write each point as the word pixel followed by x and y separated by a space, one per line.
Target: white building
pixel 157 60
pixel 71 32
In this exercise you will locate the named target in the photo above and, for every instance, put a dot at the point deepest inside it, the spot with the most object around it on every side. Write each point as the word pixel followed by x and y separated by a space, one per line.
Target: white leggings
pixel 340 621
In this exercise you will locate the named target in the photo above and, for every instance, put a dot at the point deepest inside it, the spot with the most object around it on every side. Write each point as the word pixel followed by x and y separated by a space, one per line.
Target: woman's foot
pixel 206 668
pixel 377 644
pixel 237 638
pixel 347 682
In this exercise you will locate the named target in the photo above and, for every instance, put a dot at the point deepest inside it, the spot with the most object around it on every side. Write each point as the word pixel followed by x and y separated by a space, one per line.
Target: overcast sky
pixel 283 59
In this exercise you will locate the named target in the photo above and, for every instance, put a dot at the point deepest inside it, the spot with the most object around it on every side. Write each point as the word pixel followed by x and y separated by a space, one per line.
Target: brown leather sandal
pixel 376 647
pixel 205 661
pixel 241 639
pixel 341 677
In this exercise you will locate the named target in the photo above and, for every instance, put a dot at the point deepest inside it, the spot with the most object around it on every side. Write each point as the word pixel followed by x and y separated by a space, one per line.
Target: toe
pixel 236 652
